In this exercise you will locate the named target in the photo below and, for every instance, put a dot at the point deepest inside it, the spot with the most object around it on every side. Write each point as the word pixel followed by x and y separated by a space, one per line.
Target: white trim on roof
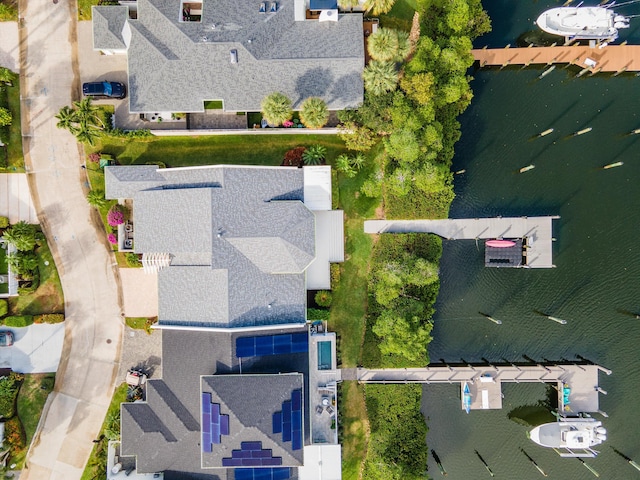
pixel 329 248
pixel 317 187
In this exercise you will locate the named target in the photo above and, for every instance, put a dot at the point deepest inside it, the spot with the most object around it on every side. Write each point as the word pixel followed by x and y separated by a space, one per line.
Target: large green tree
pixel 22 235
pixel 348 4
pixel 314 113
pixel 407 336
pixel 276 108
pixel 380 77
pixel 383 44
pixel 23 263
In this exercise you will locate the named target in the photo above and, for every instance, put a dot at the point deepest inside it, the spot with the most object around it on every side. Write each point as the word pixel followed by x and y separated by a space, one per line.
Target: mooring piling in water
pixel 628 460
pixel 484 463
pixel 527 168
pixel 590 468
pixel 460 172
pixel 489 317
pixel 542 472
pixel 557 320
pixel 600 390
pixel 636 131
pixel 583 131
pixel 547 71
pixel 613 165
pixel 443 472
pixel 547 132
pixel 604 414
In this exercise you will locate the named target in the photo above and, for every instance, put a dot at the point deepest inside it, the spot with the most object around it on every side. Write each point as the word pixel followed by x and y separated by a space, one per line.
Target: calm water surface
pixel 596 282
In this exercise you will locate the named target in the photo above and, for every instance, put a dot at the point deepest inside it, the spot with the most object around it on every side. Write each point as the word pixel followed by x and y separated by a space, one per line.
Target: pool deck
pixel 323 395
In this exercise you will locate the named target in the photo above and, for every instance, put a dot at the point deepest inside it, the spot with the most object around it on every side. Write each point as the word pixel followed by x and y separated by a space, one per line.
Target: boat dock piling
pixel 583 131
pixel 557 320
pixel 537 231
pixel 489 317
pixel 542 472
pixel 443 472
pixel 590 468
pixel 628 460
pixel 577 385
pixel 613 165
pixel 546 132
pixel 613 59
pixel 484 463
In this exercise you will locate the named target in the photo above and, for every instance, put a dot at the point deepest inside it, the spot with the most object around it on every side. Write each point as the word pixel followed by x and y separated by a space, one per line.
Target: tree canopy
pixel 276 108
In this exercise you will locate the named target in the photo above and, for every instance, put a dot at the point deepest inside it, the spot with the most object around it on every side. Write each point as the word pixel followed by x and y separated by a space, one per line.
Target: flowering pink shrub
pixel 115 216
pixel 94 157
pixel 287 123
pixel 112 238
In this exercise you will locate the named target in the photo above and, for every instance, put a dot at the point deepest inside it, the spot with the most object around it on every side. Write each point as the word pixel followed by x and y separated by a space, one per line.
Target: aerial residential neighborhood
pixel 318 239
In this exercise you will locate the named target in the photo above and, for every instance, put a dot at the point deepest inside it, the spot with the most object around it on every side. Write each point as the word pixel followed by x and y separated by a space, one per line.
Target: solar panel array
pixel 214 424
pixel 272 345
pixel 251 454
pixel 262 473
pixel 289 420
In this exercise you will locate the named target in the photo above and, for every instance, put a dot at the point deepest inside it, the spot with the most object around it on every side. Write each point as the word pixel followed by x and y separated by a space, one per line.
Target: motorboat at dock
pixel 571 436
pixel 583 23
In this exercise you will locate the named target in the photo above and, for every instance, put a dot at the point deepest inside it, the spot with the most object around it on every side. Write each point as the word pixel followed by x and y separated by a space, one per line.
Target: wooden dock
pixel 612 58
pixel 485 381
pixel 537 231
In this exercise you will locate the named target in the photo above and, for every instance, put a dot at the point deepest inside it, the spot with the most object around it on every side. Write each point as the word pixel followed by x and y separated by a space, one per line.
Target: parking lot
pixel 36 349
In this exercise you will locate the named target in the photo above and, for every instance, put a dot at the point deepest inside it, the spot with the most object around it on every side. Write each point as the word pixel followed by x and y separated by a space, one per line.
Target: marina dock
pixel 577 384
pixel 537 231
pixel 612 58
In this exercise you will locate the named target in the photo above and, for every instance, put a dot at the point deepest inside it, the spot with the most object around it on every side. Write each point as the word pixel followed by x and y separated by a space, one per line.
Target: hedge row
pixel 49 318
pixel 18 320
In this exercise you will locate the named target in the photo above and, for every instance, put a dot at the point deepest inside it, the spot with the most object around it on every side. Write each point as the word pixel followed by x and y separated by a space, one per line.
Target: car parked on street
pixel 104 89
pixel 6 339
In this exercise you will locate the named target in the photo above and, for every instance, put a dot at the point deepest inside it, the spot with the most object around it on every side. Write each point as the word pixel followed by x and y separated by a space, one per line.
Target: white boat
pixel 572 437
pixel 583 23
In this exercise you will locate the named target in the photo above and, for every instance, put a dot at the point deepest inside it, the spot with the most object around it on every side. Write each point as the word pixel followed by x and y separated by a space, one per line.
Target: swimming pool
pixel 324 355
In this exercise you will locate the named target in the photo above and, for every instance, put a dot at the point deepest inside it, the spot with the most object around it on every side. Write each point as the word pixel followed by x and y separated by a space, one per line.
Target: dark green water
pixel 596 282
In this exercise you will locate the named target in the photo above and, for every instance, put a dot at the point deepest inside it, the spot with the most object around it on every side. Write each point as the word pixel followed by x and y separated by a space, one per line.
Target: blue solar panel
pixel 296 400
pixel 262 473
pixel 271 345
pixel 296 439
pixel 224 424
pixel 277 422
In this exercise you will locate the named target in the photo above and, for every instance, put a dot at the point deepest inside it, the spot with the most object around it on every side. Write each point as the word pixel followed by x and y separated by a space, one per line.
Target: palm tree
pixel 87 134
pixel 314 155
pixel 404 45
pixel 383 44
pixel 343 164
pixel 276 108
pixel 23 263
pixel 22 236
pixel 68 119
pixel 95 198
pixel 378 7
pixel 314 113
pixel 348 4
pixel 87 114
pixel 380 77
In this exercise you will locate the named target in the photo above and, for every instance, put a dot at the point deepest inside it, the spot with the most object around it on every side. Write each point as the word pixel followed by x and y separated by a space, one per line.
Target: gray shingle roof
pixel 250 413
pixel 164 433
pixel 176 66
pixel 240 238
pixel 108 22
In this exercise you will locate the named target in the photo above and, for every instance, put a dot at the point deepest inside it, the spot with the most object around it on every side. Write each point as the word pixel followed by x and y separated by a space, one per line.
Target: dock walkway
pixel 485 381
pixel 612 58
pixel 537 230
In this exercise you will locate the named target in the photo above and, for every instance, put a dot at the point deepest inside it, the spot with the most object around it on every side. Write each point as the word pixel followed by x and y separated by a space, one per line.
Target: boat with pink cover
pixel 497 243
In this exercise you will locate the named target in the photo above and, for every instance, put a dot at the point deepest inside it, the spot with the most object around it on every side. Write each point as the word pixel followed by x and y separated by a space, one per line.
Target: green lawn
pixel 48 297
pixel 141 323
pixel 11 135
pixel 97 464
pixel 9 11
pixel 84 8
pixel 400 15
pixel 215 149
pixel 33 394
pixel 4 268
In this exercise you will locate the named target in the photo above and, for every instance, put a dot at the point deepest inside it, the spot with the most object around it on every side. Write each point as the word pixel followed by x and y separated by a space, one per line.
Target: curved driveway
pixel 93 329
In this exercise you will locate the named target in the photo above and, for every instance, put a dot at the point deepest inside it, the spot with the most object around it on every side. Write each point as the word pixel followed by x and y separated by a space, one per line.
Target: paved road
pixel 93 330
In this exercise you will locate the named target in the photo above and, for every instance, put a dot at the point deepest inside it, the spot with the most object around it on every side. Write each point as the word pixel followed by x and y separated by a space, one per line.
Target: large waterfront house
pixel 248 388
pixel 183 53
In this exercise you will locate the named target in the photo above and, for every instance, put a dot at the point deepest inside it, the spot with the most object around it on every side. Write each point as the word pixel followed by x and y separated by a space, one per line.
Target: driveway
pixel 15 198
pixel 9 50
pixel 36 349
pixel 139 292
pixel 93 332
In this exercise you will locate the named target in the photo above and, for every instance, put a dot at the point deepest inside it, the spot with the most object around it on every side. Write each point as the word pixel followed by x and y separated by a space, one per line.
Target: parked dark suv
pixel 104 89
